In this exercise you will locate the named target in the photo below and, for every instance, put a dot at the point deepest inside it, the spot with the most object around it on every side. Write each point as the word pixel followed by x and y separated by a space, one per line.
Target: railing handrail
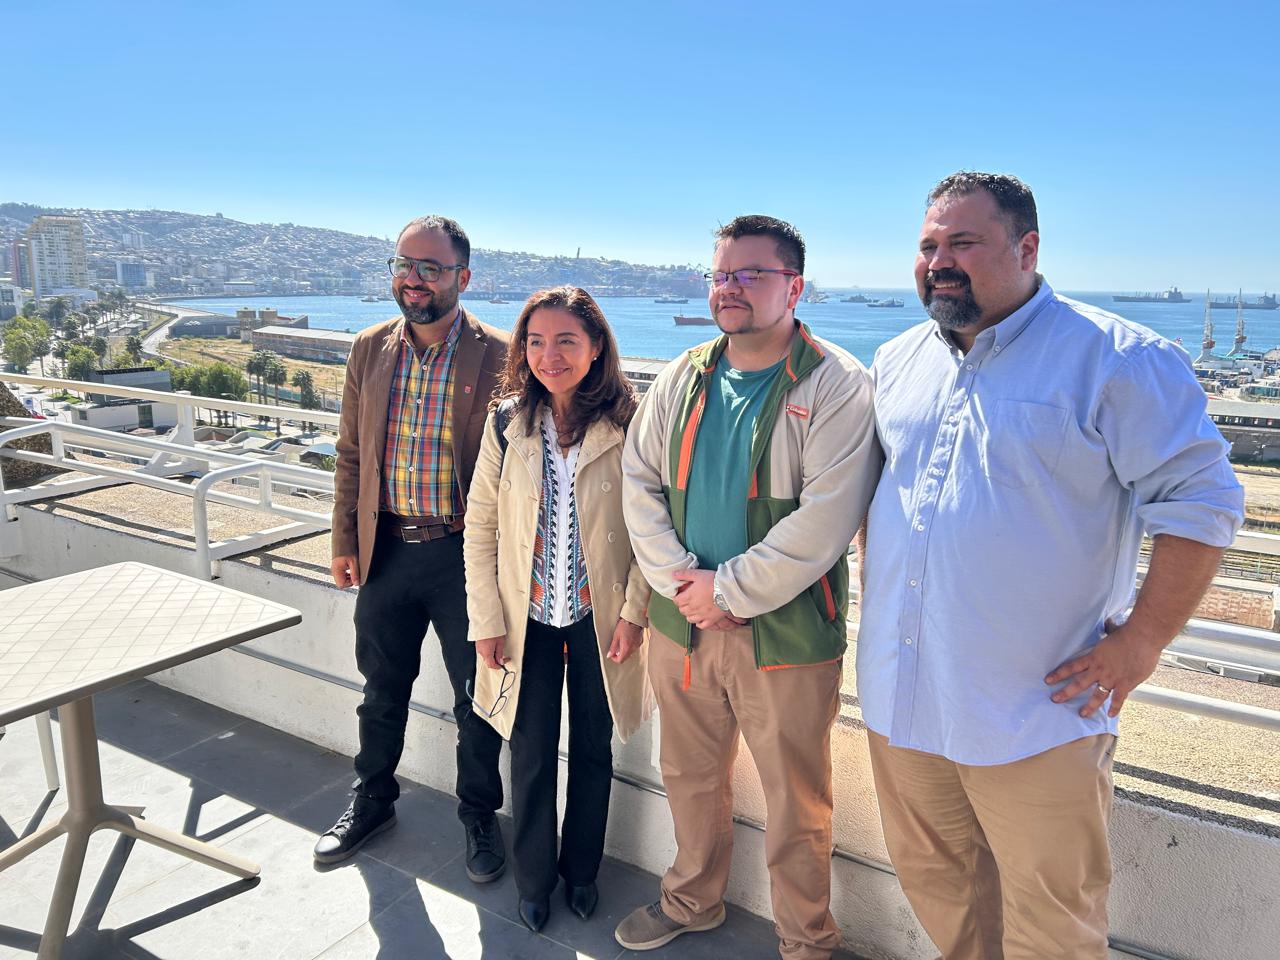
pixel 180 399
pixel 120 442
pixel 1219 638
pixel 226 466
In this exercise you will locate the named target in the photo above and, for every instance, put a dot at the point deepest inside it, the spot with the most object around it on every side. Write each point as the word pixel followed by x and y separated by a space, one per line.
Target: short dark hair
pixel 1013 197
pixel 790 243
pixel 450 228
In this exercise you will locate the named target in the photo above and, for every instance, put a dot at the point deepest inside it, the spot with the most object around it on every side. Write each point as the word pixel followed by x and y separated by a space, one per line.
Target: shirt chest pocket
pixel 1023 441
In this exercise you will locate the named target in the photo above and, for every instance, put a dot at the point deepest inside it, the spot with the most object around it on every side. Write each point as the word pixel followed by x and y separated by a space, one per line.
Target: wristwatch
pixel 717 597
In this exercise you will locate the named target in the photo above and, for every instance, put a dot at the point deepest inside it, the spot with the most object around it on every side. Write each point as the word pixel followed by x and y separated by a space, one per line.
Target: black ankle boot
pixel 534 913
pixel 582 899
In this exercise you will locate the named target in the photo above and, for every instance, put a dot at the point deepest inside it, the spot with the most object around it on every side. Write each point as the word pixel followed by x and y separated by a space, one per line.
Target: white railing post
pixel 184 432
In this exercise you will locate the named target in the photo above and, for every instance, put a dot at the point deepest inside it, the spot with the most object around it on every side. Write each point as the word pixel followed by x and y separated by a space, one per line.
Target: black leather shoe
pixel 582 900
pixel 534 913
pixel 486 854
pixel 363 820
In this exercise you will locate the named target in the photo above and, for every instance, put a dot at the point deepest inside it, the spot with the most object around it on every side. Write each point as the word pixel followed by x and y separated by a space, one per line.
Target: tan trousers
pixel 1005 862
pixel 785 716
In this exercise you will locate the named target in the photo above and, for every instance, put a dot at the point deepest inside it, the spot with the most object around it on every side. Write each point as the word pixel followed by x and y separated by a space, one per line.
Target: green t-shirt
pixel 716 504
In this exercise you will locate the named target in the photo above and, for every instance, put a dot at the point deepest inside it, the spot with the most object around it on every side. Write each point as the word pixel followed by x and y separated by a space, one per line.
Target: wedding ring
pixel 1105 691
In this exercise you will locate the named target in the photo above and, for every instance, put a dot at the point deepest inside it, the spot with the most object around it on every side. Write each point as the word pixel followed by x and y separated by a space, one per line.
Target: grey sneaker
pixel 648 928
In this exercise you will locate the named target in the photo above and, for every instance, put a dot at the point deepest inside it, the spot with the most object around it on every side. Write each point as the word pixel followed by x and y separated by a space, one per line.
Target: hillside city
pixel 164 252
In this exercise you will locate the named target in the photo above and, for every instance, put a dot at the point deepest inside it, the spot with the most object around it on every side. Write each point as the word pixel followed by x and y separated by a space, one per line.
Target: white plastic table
pixel 65 639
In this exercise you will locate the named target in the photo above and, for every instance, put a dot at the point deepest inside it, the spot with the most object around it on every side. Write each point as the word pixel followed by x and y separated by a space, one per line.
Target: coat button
pixel 617 588
pixel 613 537
pixel 606 486
pixel 506 484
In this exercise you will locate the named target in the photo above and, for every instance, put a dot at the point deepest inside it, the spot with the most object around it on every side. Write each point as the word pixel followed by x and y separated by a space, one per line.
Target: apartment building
pixel 56 249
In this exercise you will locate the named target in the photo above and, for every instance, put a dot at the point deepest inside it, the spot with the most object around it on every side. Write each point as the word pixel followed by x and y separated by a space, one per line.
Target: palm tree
pixel 306 385
pixel 277 375
pixel 56 309
pixel 256 366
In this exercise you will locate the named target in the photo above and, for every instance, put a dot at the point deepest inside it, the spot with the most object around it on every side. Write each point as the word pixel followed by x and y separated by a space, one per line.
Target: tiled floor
pixel 267 795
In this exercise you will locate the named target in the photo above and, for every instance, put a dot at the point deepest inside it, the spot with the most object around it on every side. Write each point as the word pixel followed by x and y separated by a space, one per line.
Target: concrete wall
pixel 1185 887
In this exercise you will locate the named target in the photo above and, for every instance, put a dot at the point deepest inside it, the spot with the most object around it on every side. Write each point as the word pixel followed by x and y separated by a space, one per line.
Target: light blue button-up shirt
pixel 1018 481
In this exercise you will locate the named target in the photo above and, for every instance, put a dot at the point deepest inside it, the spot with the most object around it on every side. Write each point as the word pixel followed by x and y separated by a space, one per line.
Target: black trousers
pixel 535 742
pixel 409 586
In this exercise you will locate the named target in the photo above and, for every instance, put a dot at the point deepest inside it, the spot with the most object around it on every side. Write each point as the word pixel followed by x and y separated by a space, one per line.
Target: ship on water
pixel 1265 302
pixel 857 298
pixel 889 303
pixel 1172 295
pixel 670 298
pixel 683 321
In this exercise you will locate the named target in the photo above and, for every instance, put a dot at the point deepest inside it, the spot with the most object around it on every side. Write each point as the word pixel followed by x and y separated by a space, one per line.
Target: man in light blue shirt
pixel 1030 442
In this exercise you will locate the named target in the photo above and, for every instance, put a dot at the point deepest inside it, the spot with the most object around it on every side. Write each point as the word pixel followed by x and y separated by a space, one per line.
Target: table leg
pixel 64 896
pixel 84 808
pixel 28 845
pixel 86 812
pixel 44 733
pixel 180 843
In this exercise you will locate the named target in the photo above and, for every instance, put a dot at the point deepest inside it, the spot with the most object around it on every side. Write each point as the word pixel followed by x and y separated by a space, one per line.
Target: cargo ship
pixel 890 303
pixel 683 321
pixel 668 298
pixel 1172 295
pixel 1265 302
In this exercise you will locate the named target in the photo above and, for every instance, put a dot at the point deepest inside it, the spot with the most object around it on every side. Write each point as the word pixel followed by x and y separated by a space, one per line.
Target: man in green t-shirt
pixel 748 468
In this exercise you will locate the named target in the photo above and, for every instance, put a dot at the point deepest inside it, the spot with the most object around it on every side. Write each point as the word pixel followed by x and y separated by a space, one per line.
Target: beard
pixel 438 304
pixel 951 312
pixel 746 322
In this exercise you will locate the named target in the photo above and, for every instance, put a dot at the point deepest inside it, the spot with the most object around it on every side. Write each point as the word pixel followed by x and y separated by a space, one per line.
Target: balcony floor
pixel 248 787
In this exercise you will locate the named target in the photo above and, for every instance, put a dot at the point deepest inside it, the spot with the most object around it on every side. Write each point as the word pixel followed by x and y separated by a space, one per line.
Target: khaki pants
pixel 785 716
pixel 1006 862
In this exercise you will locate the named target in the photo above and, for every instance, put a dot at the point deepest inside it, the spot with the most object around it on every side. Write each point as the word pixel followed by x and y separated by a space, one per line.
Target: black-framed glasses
pixel 508 678
pixel 745 278
pixel 428 270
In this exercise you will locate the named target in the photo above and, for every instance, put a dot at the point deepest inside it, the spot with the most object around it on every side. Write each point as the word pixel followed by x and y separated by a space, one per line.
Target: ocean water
pixel 646 329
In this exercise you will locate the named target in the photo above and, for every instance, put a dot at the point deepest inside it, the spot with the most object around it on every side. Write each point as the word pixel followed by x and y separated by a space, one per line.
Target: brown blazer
pixel 362 430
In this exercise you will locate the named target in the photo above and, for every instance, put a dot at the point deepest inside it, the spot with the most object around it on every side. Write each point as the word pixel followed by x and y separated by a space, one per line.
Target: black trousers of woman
pixel 535 741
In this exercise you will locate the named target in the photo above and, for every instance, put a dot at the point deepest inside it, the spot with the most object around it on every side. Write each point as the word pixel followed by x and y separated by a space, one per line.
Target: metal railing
pixel 1211 641
pixel 165 462
pixel 188 405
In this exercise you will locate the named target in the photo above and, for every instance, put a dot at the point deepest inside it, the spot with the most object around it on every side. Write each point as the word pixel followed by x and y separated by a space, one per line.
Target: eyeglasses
pixel 508 678
pixel 745 278
pixel 428 270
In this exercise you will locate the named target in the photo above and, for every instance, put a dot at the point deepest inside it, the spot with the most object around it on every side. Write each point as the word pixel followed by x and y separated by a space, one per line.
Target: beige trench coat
pixel 502 519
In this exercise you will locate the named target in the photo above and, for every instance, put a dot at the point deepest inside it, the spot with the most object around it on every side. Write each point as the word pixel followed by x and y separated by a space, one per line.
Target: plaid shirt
pixel 418 478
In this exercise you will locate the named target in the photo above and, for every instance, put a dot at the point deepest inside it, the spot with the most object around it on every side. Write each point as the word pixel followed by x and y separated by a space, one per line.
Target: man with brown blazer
pixel 413 413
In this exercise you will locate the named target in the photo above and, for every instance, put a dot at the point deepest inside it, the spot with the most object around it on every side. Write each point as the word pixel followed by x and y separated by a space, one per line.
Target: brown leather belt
pixel 420 529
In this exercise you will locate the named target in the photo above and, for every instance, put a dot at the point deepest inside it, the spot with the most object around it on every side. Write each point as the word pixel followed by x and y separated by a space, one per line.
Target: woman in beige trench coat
pixel 553 590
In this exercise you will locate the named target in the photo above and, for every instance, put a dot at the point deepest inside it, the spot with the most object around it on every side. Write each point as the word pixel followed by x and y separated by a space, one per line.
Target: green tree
pixel 18 349
pixel 37 334
pixel 277 374
pixel 133 348
pixel 222 379
pixel 256 367
pixel 306 384
pixel 99 346
pixel 81 362
pixel 56 309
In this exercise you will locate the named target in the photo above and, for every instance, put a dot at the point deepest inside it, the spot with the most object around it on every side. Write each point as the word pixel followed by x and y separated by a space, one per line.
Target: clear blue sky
pixel 1147 130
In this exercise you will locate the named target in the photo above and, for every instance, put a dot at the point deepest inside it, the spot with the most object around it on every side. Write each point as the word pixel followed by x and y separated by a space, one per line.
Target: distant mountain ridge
pixel 284 257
